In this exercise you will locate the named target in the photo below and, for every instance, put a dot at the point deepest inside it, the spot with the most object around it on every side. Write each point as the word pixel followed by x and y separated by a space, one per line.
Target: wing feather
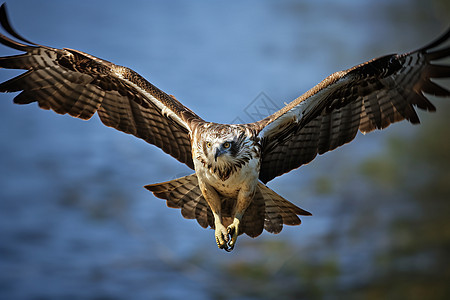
pixel 72 82
pixel 370 96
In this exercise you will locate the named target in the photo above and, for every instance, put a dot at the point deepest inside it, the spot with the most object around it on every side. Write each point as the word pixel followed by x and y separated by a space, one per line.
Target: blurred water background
pixel 76 223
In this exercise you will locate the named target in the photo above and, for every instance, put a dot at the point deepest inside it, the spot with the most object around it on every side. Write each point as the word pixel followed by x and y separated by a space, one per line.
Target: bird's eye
pixel 226 145
pixel 208 144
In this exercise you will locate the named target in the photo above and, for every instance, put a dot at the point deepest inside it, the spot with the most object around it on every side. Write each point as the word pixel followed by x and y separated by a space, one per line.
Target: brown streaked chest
pixel 240 164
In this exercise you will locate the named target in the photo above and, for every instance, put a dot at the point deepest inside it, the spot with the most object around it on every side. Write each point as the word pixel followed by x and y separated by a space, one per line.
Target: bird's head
pixel 225 147
pixel 221 149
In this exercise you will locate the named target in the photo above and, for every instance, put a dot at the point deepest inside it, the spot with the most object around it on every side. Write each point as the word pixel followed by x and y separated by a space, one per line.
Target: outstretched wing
pixel 370 96
pixel 75 83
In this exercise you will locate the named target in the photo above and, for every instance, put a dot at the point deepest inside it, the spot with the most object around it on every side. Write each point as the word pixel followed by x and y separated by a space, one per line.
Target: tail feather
pixel 252 222
pixel 185 193
pixel 268 210
pixel 278 210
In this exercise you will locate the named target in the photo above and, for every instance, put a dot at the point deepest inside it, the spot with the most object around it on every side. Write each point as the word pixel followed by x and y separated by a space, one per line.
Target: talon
pixel 222 238
pixel 230 230
pixel 233 231
pixel 229 249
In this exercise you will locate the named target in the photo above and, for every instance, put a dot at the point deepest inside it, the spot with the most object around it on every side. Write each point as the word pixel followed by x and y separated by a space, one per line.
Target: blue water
pixel 75 222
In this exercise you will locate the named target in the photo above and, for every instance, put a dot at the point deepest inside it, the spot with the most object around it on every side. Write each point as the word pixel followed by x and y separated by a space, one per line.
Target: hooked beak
pixel 217 153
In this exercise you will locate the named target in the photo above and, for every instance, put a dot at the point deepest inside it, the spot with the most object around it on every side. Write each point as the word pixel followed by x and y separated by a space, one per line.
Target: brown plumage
pixel 369 96
pixel 232 162
pixel 184 193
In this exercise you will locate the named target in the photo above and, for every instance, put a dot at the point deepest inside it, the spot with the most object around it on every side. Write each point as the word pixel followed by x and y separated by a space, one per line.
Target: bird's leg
pixel 244 199
pixel 214 203
pixel 220 233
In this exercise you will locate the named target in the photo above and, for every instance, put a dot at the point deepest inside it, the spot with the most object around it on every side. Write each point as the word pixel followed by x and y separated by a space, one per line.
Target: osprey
pixel 232 163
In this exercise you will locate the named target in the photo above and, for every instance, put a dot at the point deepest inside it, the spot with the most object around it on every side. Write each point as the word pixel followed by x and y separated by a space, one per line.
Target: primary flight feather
pixel 232 162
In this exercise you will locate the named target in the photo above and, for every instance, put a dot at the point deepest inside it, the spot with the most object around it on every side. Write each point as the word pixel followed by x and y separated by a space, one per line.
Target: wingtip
pixel 3 14
pixel 438 41
pixel 6 24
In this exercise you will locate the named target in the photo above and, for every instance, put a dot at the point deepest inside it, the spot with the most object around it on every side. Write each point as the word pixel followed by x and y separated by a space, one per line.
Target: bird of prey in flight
pixel 232 162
